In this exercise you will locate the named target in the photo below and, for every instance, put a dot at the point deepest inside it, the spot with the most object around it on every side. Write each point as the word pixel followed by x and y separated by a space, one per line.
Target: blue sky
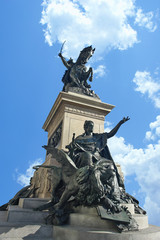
pixel 126 64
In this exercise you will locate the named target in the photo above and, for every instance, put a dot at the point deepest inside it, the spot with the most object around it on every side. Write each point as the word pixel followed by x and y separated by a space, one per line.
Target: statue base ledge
pixel 78 233
pixel 89 217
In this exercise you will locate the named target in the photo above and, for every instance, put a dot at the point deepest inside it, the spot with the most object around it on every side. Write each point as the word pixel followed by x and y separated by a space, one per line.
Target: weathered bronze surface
pixel 89 177
pixel 119 217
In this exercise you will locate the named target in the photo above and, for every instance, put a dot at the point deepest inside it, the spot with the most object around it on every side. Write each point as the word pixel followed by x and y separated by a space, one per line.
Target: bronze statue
pixel 90 177
pixel 89 148
pixel 76 75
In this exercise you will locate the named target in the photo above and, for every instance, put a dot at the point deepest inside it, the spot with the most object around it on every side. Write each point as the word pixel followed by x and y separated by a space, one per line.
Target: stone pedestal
pixel 66 117
pixel 86 224
pixel 79 233
pixel 69 112
pixel 21 222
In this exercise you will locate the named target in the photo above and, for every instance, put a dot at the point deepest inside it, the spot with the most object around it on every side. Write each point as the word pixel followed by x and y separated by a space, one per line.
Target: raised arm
pixel 115 129
pixel 64 61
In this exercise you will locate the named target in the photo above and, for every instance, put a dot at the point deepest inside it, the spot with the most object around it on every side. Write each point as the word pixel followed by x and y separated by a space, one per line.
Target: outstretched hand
pixel 125 119
pixel 60 54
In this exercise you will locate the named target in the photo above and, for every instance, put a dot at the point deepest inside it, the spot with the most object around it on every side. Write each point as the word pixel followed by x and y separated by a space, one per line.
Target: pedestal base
pixel 85 223
pixel 79 233
pixel 21 222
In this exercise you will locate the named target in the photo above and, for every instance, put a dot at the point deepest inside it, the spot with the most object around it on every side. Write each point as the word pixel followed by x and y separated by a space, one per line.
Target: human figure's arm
pixel 64 61
pixel 115 129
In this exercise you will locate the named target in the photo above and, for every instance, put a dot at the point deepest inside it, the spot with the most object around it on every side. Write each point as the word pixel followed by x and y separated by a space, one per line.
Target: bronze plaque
pixel 118 217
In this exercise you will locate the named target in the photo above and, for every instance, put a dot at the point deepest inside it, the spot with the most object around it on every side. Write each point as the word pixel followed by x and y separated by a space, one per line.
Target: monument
pixel 79 189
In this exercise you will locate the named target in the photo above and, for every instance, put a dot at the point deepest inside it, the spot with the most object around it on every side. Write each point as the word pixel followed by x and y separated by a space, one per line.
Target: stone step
pixel 91 221
pixel 93 210
pixel 26 231
pixel 17 214
pixel 3 216
pixel 142 220
pixel 86 210
pixel 31 203
pixel 78 233
pixel 129 206
pixel 94 221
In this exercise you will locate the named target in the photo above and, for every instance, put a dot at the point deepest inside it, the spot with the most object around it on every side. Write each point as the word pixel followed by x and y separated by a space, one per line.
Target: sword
pixel 62 46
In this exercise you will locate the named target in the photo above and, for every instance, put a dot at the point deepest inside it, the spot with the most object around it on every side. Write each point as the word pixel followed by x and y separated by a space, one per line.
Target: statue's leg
pixel 85 159
pixel 70 190
pixel 74 80
pixel 54 197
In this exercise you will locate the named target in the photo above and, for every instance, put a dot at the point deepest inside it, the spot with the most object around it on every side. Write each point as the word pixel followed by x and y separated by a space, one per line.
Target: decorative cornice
pixel 77 100
pixel 82 112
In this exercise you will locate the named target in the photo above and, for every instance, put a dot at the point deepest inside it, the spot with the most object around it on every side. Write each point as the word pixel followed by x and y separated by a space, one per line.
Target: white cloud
pixel 107 126
pixel 144 163
pixel 100 71
pixel 146 84
pixel 156 72
pixel 24 178
pixel 155 129
pixel 105 24
pixel 145 20
pixel 150 136
pixel 153 209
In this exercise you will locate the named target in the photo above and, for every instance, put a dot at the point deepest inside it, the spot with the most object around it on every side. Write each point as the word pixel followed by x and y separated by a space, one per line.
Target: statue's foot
pixel 36 209
pixel 44 206
pixel 87 85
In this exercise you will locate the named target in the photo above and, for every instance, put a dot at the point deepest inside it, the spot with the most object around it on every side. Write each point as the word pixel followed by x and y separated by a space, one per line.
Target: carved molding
pixel 82 112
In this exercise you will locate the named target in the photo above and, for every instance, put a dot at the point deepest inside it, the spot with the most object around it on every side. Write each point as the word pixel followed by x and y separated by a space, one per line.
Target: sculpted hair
pixel 87 122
